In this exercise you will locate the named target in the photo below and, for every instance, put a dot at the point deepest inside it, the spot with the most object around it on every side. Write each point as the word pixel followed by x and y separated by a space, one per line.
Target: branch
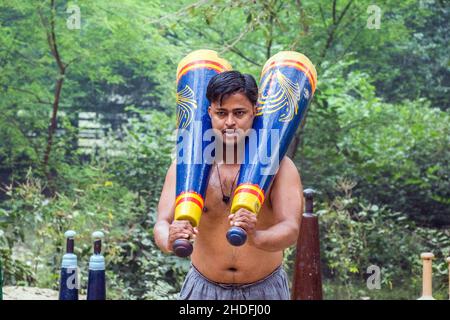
pixel 44 24
pixel 51 39
pixel 272 17
pixel 357 33
pixel 334 11
pixel 240 54
pixel 350 44
pixel 181 12
pixel 344 11
pixel 247 29
pixel 332 31
pixel 61 65
pixel 38 99
pixel 323 17
pixel 349 21
pixel 219 44
pixel 302 17
pixel 303 23
pixel 238 38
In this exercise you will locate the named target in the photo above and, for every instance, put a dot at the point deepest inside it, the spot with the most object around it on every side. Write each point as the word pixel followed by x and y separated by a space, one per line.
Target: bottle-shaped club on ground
pixel 68 286
pixel 96 279
pixel 307 284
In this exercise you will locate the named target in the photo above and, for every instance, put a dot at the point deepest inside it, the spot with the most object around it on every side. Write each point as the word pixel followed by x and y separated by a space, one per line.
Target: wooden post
pixel 307 284
pixel 427 274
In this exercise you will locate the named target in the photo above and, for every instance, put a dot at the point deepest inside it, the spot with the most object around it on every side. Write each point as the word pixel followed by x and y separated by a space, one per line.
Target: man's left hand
pixel 245 220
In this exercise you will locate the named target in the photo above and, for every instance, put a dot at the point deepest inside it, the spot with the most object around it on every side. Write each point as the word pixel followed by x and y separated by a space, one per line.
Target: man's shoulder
pixel 173 166
pixel 171 171
pixel 287 172
pixel 286 180
pixel 287 166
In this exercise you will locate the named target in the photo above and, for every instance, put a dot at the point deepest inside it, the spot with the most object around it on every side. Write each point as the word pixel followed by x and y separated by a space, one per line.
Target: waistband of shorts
pixel 237 285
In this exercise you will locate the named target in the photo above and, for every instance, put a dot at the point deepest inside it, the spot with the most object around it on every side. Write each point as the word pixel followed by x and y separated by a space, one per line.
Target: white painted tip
pixel 70 234
pixel 427 255
pixel 98 235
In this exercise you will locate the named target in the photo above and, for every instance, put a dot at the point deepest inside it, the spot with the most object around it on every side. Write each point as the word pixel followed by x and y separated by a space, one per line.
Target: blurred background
pixel 87 113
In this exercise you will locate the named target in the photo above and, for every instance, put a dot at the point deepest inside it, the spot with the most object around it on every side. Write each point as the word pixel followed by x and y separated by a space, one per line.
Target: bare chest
pixel 219 196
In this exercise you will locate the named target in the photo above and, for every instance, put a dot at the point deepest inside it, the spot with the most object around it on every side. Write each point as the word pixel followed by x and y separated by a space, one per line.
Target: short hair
pixel 230 82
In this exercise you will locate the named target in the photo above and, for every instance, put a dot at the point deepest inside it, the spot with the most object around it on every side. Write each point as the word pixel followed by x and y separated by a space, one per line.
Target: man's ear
pixel 209 111
pixel 254 109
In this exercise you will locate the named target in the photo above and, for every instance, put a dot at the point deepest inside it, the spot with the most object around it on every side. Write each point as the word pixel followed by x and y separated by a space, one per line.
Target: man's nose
pixel 230 122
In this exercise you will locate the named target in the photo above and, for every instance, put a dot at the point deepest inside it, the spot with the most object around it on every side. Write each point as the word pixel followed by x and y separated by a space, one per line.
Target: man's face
pixel 232 118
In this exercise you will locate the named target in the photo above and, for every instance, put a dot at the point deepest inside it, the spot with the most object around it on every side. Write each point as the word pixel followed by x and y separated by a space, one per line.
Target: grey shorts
pixel 273 287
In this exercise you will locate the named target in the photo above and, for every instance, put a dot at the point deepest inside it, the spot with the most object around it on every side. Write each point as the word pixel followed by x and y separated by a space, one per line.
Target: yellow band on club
pixel 190 211
pixel 190 195
pixel 246 201
pixel 252 187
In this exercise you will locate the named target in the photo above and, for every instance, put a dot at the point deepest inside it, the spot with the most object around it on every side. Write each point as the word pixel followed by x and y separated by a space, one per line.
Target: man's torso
pixel 213 256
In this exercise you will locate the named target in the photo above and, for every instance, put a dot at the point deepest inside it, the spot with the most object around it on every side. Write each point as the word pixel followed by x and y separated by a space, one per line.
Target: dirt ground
pixel 31 293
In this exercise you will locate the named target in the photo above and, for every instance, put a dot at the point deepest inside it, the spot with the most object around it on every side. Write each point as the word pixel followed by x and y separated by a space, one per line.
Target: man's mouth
pixel 229 133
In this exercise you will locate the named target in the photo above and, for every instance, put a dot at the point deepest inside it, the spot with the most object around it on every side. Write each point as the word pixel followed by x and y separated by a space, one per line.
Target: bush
pixel 355 235
pixel 113 193
pixel 397 154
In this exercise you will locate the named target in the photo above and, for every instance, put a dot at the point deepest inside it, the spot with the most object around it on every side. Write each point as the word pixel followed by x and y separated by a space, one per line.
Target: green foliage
pixel 376 119
pixel 110 55
pixel 140 159
pixel 34 227
pixel 115 194
pixel 355 235
pixel 397 154
pixel 14 271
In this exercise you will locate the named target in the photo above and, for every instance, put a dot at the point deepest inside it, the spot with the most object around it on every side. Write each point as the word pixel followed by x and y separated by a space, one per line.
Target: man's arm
pixel 287 202
pixel 166 231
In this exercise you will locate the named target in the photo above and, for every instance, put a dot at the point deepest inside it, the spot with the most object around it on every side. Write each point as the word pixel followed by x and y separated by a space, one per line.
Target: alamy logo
pixel 196 147
pixel 74 20
pixel 73 281
pixel 374 280
pixel 374 19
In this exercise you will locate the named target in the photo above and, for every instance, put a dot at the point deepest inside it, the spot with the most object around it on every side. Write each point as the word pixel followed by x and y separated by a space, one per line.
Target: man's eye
pixel 240 113
pixel 220 113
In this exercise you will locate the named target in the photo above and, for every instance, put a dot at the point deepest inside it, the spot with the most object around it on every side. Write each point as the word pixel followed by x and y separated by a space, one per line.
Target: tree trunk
pixel 51 39
pixel 53 124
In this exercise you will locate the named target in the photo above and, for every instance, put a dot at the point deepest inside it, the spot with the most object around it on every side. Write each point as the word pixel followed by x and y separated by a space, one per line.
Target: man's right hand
pixel 181 229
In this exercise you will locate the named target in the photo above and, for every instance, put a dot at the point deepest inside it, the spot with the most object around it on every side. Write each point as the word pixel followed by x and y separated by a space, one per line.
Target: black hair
pixel 230 82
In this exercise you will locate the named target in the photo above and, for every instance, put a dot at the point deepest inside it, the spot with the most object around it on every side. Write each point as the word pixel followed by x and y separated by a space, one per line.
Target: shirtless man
pixel 220 270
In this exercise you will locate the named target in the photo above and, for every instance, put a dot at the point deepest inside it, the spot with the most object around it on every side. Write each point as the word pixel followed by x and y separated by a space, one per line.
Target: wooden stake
pixel 307 284
pixel 427 287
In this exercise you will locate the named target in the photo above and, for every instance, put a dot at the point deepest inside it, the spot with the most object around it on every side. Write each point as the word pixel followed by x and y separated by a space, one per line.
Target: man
pixel 220 270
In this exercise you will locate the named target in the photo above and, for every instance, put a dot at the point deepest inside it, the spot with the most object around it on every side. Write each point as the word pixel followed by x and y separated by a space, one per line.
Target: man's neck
pixel 231 155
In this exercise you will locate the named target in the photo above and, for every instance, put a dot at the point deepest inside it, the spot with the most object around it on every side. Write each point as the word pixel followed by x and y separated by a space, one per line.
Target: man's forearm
pixel 276 238
pixel 161 234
